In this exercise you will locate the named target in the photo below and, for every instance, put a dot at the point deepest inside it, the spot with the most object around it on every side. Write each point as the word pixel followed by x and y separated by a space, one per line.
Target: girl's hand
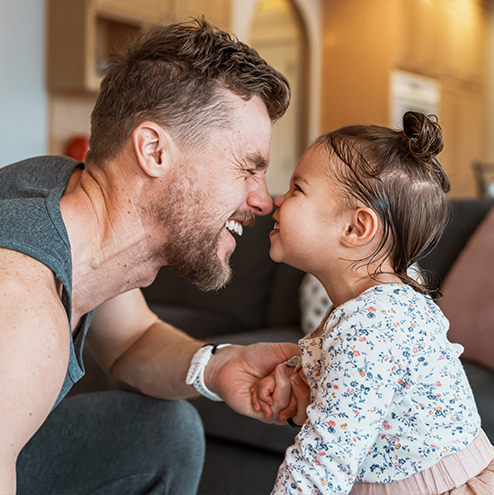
pixel 269 392
pixel 262 393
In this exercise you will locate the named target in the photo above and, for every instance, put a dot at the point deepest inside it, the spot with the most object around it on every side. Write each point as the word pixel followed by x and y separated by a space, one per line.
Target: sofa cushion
pixel 468 291
pixel 199 323
pixel 467 214
pixel 284 307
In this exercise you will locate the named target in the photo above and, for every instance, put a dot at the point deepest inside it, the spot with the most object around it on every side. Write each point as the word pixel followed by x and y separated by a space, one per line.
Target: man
pixel 179 149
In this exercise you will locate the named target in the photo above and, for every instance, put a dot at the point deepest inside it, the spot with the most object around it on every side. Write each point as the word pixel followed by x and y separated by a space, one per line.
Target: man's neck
pixel 111 248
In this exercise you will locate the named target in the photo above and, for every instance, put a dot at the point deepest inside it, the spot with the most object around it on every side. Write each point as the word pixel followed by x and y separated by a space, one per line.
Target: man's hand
pixel 235 371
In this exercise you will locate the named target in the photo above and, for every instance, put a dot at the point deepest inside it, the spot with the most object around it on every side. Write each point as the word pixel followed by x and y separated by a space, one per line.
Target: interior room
pixel 351 61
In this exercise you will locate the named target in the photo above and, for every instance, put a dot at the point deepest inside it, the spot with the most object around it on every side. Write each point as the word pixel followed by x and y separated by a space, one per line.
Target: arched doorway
pixel 308 15
pixel 277 33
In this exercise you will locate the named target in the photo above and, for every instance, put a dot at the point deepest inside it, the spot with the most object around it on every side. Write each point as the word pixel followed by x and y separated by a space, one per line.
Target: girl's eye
pixel 297 188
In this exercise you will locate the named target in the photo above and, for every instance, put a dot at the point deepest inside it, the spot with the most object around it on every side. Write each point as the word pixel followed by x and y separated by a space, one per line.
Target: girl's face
pixel 310 217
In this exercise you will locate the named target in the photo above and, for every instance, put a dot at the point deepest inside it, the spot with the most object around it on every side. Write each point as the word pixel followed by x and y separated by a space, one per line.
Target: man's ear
pixel 152 147
pixel 361 228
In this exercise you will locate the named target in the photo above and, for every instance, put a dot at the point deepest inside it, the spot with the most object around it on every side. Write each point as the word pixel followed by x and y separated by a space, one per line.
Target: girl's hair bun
pixel 424 141
pixel 424 136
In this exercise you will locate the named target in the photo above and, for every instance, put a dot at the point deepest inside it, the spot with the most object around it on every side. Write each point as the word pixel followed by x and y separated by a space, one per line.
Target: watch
pixel 195 375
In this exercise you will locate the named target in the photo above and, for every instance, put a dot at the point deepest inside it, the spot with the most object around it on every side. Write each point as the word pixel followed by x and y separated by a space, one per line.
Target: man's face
pixel 215 190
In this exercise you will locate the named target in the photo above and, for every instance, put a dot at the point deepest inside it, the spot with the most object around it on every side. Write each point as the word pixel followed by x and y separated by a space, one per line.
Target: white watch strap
pixel 195 375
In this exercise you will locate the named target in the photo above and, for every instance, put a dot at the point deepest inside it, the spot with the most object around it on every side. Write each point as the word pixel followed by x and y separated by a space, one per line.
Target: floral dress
pixel 389 396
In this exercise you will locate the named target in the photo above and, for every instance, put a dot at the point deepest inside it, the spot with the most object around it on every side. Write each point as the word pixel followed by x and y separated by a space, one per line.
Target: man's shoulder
pixel 28 288
pixel 35 175
pixel 32 224
pixel 16 266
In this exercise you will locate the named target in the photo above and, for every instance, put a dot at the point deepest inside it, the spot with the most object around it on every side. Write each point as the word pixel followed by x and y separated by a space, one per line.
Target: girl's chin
pixel 274 255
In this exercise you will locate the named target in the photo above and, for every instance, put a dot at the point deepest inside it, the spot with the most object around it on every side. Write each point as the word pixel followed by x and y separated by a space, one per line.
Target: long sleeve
pixel 389 396
pixel 358 377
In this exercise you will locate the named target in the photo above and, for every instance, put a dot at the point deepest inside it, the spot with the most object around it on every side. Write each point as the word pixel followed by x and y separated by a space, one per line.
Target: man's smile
pixel 234 226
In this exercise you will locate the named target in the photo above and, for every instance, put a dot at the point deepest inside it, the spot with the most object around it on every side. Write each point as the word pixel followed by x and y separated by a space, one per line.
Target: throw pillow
pixel 468 295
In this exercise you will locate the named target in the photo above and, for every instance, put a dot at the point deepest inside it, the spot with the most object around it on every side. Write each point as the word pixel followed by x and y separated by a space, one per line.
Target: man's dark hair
pixel 174 75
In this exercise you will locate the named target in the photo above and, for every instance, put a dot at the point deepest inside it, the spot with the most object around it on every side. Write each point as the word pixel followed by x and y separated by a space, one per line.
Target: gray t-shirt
pixel 31 223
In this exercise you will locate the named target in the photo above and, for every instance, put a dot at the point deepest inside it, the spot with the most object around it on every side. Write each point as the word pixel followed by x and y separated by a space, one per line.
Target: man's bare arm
pixel 141 352
pixel 34 352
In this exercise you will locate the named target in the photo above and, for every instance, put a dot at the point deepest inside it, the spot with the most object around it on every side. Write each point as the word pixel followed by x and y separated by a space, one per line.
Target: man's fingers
pixel 301 391
pixel 290 411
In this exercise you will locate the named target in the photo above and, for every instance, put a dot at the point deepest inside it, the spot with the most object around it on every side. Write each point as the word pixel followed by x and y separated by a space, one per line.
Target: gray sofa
pixel 262 304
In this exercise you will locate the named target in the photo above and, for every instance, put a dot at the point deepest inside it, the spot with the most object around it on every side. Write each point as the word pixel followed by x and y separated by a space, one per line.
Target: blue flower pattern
pixel 389 396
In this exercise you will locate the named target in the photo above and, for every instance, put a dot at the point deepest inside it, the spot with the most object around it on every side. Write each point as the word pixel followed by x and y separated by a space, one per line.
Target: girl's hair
pixel 396 173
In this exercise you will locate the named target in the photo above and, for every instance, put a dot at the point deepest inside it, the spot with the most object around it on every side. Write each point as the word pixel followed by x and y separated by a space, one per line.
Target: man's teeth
pixel 234 227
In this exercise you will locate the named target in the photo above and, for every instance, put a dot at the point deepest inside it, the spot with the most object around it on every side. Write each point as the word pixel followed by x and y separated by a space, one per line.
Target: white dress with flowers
pixel 389 396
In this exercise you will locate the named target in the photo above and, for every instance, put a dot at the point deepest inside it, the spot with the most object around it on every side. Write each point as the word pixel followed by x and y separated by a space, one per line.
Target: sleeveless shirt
pixel 31 223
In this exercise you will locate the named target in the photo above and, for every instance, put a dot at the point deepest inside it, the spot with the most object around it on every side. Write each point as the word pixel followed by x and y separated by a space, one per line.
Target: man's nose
pixel 259 199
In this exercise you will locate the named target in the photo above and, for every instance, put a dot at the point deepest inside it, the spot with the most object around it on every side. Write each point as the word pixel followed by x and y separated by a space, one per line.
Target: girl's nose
pixel 278 201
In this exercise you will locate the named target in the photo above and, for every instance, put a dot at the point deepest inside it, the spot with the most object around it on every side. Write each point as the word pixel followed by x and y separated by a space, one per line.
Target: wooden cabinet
pixel 445 40
pixel 150 10
pixel 417 36
pixel 442 38
pixel 461 46
pixel 463 121
pixel 83 33
pixel 217 12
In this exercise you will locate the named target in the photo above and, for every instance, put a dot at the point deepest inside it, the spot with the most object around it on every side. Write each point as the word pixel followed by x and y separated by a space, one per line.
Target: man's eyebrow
pixel 257 160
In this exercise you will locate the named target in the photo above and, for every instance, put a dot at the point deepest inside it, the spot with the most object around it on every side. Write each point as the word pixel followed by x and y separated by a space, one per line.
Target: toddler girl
pixel 391 410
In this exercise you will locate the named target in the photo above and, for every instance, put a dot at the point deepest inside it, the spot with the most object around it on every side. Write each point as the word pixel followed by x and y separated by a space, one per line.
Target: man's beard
pixel 192 246
pixel 192 252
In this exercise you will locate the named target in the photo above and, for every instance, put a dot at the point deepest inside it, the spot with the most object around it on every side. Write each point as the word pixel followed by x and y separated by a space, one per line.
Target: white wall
pixel 23 97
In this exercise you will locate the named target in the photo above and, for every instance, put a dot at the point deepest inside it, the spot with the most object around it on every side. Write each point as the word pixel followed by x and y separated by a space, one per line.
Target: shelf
pixel 83 33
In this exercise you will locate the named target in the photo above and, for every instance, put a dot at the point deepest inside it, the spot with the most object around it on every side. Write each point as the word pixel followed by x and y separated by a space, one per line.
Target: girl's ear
pixel 152 147
pixel 361 228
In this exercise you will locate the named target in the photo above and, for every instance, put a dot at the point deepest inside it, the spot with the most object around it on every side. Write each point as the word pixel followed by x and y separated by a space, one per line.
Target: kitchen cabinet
pixel 83 33
pixel 442 38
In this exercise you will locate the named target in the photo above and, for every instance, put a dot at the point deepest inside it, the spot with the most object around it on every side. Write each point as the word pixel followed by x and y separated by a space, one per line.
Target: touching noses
pixel 259 198
pixel 278 201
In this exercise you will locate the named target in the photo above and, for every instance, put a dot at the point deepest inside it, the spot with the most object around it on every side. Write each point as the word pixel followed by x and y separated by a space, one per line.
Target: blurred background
pixel 348 61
